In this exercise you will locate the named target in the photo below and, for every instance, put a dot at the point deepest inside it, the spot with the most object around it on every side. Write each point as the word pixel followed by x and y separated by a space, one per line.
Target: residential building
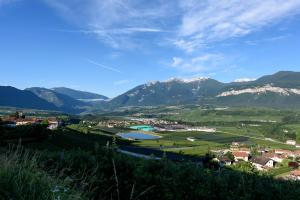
pixel 291 142
pixel 262 163
pixel 26 121
pixel 240 155
pixel 295 174
pixel 223 161
pixel 276 157
pixel 285 152
pixel 246 150
pixel 191 139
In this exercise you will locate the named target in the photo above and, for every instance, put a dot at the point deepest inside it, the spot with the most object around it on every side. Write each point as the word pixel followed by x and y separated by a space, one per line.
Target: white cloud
pixel 266 40
pixel 114 22
pixel 195 23
pixel 240 80
pixel 202 63
pixel 176 61
pixel 209 21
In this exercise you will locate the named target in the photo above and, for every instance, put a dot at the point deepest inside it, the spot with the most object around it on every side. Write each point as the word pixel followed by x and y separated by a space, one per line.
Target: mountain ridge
pixel 207 91
pixel 77 94
pixel 281 90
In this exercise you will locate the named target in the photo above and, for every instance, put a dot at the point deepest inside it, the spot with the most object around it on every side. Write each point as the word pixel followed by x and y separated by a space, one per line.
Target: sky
pixel 111 46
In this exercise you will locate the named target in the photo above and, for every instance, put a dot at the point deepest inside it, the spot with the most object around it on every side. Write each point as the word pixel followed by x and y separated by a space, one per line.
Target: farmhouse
pixel 297 153
pixel 191 139
pixel 276 157
pixel 223 161
pixel 53 123
pixel 284 152
pixel 295 174
pixel 262 163
pixel 246 150
pixel 26 121
pixel 291 142
pixel 240 155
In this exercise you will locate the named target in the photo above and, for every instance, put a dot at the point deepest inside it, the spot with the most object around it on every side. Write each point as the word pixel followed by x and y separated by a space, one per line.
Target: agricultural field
pixel 177 142
pixel 254 127
pixel 228 115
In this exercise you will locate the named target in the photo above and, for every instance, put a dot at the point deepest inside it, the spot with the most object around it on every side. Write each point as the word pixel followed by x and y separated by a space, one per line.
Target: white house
pixel 223 161
pixel 262 163
pixel 291 142
pixel 191 139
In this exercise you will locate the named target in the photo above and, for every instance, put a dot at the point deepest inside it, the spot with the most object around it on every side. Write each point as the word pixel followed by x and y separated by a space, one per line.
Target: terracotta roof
pixel 224 159
pixel 26 120
pixel 297 152
pixel 240 154
pixel 295 172
pixel 260 160
pixel 245 149
pixel 274 155
pixel 283 151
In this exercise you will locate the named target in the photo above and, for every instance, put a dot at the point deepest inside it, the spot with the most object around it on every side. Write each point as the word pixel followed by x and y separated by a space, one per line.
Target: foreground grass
pixel 21 179
pixel 104 174
pixel 69 165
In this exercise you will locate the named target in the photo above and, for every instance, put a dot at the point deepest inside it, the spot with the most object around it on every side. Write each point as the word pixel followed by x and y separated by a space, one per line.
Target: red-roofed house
pixel 276 157
pixel 284 151
pixel 240 155
pixel 295 174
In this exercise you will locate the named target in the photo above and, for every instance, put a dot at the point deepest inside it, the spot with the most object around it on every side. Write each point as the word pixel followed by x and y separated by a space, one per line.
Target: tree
pixel 45 122
pixel 230 155
pixel 244 166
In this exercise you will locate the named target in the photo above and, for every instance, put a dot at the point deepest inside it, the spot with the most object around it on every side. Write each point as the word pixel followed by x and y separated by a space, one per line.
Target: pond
pixel 138 136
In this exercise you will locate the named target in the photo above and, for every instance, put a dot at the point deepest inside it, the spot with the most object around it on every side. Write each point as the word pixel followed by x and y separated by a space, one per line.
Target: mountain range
pixel 56 99
pixel 280 90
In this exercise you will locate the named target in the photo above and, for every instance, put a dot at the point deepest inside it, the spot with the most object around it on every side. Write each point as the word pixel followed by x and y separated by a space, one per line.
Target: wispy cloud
pixel 193 26
pixel 204 22
pixel 202 63
pixel 190 24
pixel 104 66
pixel 240 80
pixel 114 22
pixel 265 40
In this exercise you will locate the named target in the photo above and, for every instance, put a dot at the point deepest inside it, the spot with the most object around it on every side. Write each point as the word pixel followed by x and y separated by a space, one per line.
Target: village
pixel 19 119
pixel 157 124
pixel 263 159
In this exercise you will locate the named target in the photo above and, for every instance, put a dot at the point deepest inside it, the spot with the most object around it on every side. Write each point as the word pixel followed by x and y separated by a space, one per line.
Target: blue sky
pixel 110 46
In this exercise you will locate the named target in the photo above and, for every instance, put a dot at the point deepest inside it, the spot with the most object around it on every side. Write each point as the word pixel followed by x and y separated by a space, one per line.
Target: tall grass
pixel 21 179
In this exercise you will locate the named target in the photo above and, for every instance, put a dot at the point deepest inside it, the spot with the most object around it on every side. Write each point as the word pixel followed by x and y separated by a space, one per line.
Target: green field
pixel 228 115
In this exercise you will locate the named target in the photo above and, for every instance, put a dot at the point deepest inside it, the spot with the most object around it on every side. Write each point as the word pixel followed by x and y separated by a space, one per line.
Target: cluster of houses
pixel 116 123
pixel 19 119
pixel 264 159
pixel 158 124
pixel 182 127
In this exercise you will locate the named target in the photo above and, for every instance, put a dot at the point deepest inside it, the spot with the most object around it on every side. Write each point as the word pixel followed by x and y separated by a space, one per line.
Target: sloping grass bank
pixel 105 174
pixel 21 179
